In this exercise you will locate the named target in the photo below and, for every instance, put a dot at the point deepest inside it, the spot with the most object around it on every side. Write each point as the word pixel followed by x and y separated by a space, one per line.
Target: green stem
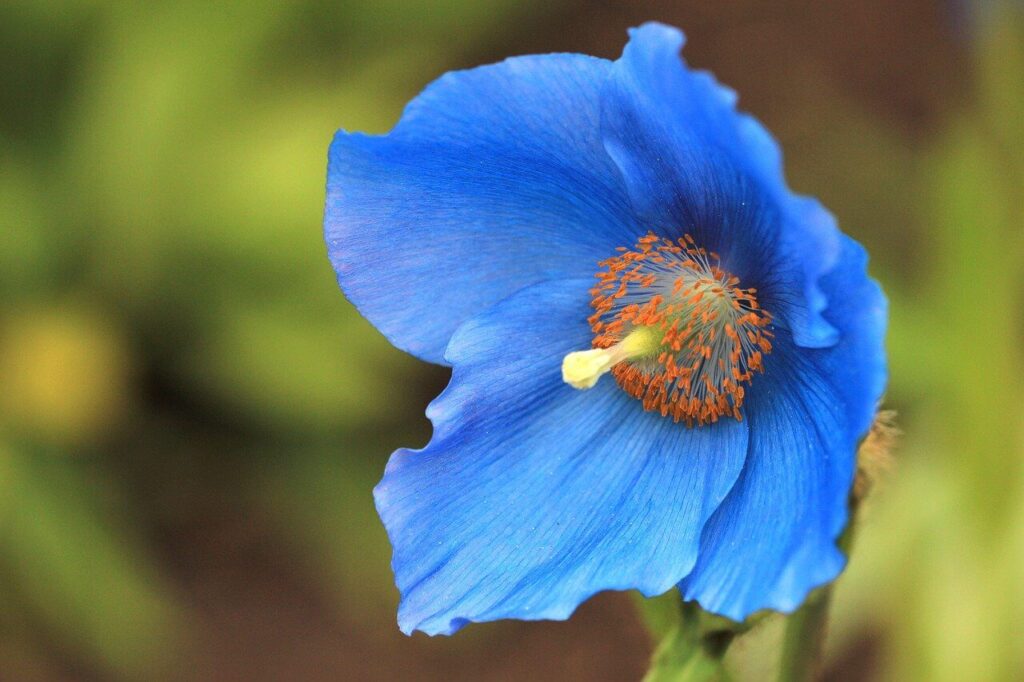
pixel 807 629
pixel 805 639
pixel 693 648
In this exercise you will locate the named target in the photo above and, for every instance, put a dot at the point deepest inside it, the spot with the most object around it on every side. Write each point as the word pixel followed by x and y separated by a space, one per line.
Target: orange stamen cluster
pixel 714 334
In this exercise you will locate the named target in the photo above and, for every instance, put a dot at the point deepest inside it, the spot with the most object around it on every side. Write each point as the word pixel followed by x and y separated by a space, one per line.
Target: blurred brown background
pixel 192 417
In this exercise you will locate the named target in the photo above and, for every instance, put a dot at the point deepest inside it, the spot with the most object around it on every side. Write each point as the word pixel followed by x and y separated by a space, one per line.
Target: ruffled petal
pixel 531 496
pixel 692 163
pixel 494 179
pixel 773 539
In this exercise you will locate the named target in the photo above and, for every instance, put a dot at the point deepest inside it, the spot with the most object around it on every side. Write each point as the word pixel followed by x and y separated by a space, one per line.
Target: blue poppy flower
pixel 741 335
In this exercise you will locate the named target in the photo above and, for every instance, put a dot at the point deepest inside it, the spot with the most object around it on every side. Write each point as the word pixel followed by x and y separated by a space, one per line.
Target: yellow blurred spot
pixel 64 375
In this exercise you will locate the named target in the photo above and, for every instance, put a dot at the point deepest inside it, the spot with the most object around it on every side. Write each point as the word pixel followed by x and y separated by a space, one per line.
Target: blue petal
pixel 693 164
pixel 494 179
pixel 532 496
pixel 773 539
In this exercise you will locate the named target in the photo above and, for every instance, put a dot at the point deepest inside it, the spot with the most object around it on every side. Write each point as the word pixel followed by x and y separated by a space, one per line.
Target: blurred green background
pixel 192 417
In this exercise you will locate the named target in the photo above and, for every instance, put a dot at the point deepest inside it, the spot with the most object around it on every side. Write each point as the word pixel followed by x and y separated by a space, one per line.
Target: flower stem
pixel 807 629
pixel 805 639
pixel 692 648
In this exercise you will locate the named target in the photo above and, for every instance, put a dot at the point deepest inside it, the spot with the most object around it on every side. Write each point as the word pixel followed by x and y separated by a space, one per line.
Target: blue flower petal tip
pixel 662 358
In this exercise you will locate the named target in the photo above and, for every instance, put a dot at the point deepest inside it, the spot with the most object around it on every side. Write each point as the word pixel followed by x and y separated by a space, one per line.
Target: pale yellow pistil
pixel 582 368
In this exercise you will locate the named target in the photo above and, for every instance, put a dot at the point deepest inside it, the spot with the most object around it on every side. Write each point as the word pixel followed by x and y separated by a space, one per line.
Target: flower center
pixel 675 330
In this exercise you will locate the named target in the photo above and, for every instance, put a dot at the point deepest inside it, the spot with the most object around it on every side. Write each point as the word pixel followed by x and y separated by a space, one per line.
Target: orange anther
pixel 713 334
